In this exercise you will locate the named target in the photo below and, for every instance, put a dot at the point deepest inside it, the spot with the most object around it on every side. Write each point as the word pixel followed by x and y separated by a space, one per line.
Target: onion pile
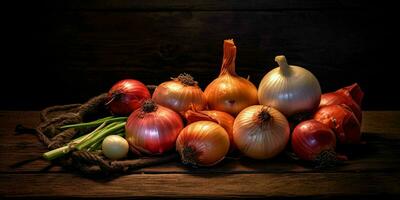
pixel 227 117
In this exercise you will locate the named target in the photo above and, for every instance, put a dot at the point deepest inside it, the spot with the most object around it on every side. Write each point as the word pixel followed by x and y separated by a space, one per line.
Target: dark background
pixel 60 52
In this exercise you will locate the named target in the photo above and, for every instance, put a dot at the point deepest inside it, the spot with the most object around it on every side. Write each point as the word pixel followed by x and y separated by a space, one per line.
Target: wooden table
pixel 373 171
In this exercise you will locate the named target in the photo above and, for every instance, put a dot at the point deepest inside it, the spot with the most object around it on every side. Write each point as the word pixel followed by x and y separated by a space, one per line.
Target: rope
pixel 87 162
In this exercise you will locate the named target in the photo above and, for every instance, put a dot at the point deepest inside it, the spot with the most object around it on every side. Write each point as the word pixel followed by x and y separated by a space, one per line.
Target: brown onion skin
pixel 126 96
pixel 153 132
pixel 222 118
pixel 180 97
pixel 335 98
pixel 310 138
pixel 342 121
pixel 257 138
pixel 202 143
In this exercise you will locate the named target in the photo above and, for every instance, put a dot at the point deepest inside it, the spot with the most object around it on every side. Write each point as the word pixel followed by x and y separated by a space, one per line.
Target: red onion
pixel 126 96
pixel 354 91
pixel 336 98
pixel 342 121
pixel 153 129
pixel 314 141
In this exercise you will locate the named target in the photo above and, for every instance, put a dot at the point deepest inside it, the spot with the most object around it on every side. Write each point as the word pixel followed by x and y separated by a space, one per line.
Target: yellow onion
pixel 202 143
pixel 260 132
pixel 290 89
pixel 222 118
pixel 180 94
pixel 229 92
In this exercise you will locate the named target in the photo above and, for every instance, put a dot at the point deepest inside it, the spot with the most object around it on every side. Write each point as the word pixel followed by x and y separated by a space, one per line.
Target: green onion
pixel 96 123
pixel 93 140
pixel 99 136
pixel 56 153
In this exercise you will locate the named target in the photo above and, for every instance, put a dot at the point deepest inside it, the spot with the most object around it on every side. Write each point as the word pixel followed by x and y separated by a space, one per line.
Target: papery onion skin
pixel 126 96
pixel 229 92
pixel 342 121
pixel 153 132
pixel 202 143
pixel 335 98
pixel 290 89
pixel 180 94
pixel 222 118
pixel 261 132
pixel 311 138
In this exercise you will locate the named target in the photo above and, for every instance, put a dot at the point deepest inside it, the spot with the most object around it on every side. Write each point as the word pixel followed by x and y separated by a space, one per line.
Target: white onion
pixel 290 89
pixel 115 147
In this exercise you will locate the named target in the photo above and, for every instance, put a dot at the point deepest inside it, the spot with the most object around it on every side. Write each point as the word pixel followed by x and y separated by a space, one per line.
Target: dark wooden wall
pixel 67 51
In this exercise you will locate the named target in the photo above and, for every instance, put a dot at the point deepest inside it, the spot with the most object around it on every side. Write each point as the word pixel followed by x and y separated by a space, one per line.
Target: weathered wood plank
pixel 381 132
pixel 387 122
pixel 278 185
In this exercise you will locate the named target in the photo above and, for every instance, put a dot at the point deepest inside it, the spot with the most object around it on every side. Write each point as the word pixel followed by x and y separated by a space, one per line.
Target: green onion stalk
pixel 93 140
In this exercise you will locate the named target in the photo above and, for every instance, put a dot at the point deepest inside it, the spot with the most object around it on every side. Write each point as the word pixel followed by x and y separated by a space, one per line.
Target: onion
pixel 229 92
pixel 115 147
pixel 153 129
pixel 222 118
pixel 336 98
pixel 354 91
pixel 290 89
pixel 180 94
pixel 315 141
pixel 126 96
pixel 202 143
pixel 260 132
pixel 342 121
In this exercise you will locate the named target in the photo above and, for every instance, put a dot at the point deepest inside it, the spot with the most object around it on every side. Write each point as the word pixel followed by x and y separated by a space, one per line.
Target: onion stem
pixel 228 63
pixel 283 65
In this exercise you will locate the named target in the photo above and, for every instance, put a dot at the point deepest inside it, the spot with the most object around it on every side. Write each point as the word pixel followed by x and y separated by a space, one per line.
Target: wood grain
pixel 316 185
pixel 380 153
pixel 373 171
